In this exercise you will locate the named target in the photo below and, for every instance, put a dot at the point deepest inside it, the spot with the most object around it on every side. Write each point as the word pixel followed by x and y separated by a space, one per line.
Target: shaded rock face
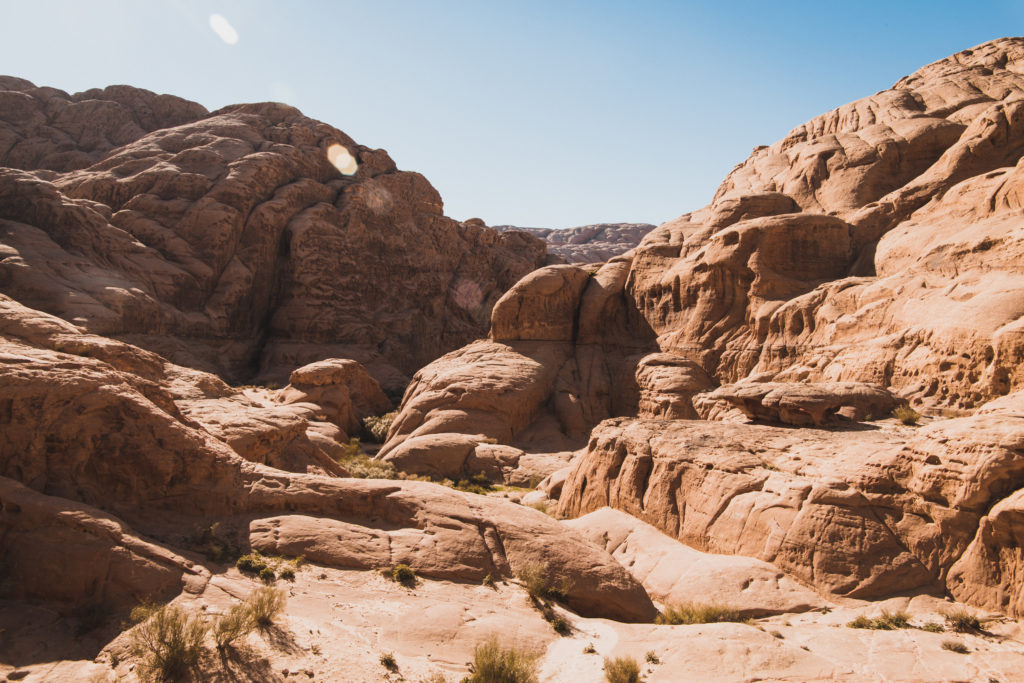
pixel 868 259
pixel 249 241
pixel 588 243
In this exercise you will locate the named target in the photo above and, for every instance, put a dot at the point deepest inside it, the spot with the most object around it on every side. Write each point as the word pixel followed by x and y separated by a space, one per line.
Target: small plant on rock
pixel 403 574
pixel 955 646
pixel 697 613
pixel 621 670
pixel 933 627
pixel 252 563
pixel 962 620
pixel 236 623
pixel 387 660
pixel 906 415
pixel 267 574
pixel 265 604
pixel 376 428
pixel 492 664
pixel 538 582
pixel 652 657
pixel 169 640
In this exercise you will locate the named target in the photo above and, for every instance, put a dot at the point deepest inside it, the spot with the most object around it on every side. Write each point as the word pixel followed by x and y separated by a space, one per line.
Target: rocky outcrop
pixel 799 403
pixel 676 574
pixel 588 243
pixel 563 352
pixel 247 241
pixel 112 449
pixel 868 259
pixel 864 513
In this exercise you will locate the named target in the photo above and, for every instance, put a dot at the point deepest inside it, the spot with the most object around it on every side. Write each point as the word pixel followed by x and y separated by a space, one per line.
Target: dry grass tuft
pixel 697 613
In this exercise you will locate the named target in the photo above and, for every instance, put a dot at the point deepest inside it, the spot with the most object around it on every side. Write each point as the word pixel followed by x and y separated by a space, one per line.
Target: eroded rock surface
pixel 588 243
pixel 247 241
pixel 868 259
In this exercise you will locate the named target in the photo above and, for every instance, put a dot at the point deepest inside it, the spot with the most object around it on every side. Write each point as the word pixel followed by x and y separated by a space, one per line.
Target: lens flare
pixel 342 159
pixel 224 29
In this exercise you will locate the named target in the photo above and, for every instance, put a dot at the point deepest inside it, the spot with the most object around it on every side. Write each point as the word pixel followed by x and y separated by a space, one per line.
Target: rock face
pixel 249 241
pixel 677 574
pixel 870 258
pixel 98 451
pixel 588 243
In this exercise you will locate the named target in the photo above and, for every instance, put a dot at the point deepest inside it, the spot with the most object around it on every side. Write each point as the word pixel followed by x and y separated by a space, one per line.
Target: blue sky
pixel 534 113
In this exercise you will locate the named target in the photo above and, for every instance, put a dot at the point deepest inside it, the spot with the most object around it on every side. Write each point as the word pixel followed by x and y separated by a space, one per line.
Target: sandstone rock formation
pixel 870 258
pixel 247 241
pixel 588 243
pixel 113 431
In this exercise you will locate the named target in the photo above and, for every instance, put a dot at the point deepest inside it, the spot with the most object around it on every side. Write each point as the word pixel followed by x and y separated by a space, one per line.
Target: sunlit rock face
pixel 869 259
pixel 247 241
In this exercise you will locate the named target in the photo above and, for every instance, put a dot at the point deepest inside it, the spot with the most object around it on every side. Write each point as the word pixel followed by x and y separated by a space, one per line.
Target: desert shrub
pixel 362 466
pixel 488 580
pixel 169 640
pixel 860 622
pixel 287 573
pixel 208 541
pixel 955 646
pixel 268 574
pixel 652 657
pixel 478 483
pixel 232 625
pixel 537 580
pixel 906 415
pixel 252 563
pixel 387 660
pixel 404 574
pixel 962 620
pixel 889 621
pixel 494 664
pixel 265 604
pixel 933 627
pixel 697 613
pixel 621 670
pixel 540 506
pixel 376 427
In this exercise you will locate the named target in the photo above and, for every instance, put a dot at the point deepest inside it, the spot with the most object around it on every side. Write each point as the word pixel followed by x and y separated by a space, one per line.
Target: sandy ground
pixel 337 624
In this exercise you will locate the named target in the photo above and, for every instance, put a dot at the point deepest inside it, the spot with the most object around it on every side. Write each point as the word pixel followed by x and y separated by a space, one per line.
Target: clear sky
pixel 549 113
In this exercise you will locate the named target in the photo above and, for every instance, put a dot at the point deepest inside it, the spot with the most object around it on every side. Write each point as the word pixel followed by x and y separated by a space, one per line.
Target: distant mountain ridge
pixel 588 243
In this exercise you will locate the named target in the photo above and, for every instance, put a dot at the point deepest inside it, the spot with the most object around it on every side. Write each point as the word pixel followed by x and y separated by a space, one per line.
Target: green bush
pixel 697 613
pixel 362 466
pixel 478 483
pixel 494 664
pixel 252 563
pixel 933 627
pixel 377 428
pixel 537 580
pixel 621 670
pixel 232 625
pixel 265 604
pixel 169 640
pixel 267 574
pixel 906 415
pixel 404 575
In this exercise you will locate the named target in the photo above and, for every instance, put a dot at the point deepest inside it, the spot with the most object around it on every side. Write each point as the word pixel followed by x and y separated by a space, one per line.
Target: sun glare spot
pixel 223 29
pixel 342 160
